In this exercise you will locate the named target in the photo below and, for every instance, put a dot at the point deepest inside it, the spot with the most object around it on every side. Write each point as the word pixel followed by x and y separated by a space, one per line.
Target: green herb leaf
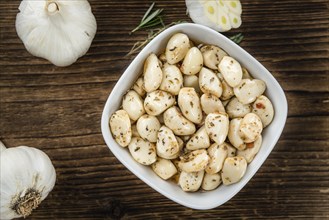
pixel 150 20
pixel 151 34
pixel 148 11
pixel 237 38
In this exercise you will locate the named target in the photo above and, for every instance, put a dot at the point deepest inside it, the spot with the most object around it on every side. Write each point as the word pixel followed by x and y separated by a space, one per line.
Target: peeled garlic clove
pixel 121 127
pixel 234 169
pixel 152 73
pixel 250 128
pixel 139 87
pixel 211 181
pixel 211 104
pixel 231 151
pixel 192 81
pixel 227 91
pixel 199 140
pixel 194 161
pixel 174 119
pixel 251 149
pixel 142 151
pixel 236 109
pixel 59 31
pixel 217 126
pixel 177 47
pixel 134 131
pixel 264 109
pixel 180 143
pixel 217 154
pixel 157 102
pixel 248 90
pixel 147 127
pixel 209 82
pixel 246 74
pixel 167 145
pixel 190 182
pixel 231 70
pixel 212 55
pixel 133 104
pixel 193 62
pixel 164 168
pixel 234 135
pixel 172 80
pixel 189 103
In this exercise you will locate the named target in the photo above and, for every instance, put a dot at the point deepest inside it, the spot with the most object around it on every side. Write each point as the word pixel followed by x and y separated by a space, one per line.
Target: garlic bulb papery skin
pixel 60 31
pixel 220 15
pixel 27 177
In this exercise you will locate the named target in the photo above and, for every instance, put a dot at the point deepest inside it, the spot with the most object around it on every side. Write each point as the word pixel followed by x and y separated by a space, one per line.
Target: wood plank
pixel 58 110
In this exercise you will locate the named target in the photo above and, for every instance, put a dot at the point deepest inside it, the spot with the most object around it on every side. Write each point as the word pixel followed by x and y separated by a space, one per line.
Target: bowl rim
pixel 129 70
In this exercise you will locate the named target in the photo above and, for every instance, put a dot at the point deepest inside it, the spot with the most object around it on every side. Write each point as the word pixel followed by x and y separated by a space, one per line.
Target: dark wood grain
pixel 58 110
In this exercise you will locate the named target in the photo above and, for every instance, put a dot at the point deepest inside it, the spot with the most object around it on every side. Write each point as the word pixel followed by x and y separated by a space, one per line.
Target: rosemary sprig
pixel 151 34
pixel 150 20
pixel 237 38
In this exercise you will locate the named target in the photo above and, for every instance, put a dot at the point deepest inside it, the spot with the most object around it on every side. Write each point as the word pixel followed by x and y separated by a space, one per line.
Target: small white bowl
pixel 198 34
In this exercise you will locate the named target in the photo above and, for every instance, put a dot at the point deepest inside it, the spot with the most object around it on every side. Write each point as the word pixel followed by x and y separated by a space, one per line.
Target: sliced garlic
pixel 59 31
pixel 218 15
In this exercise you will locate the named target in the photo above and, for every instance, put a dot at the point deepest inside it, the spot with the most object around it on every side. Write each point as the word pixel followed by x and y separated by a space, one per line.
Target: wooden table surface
pixel 58 110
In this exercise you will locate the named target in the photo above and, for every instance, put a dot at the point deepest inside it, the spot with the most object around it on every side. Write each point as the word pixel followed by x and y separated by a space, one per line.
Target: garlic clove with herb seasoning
pixel 58 30
pixel 27 177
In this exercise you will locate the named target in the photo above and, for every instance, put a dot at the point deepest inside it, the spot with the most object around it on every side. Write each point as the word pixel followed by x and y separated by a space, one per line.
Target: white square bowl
pixel 198 34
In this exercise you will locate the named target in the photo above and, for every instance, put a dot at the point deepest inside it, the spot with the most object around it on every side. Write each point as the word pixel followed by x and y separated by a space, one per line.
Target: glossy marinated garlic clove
pixel 234 169
pixel 121 127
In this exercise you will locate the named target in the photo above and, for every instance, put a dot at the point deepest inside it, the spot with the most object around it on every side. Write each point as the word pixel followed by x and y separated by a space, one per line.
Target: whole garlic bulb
pixel 27 176
pixel 60 31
